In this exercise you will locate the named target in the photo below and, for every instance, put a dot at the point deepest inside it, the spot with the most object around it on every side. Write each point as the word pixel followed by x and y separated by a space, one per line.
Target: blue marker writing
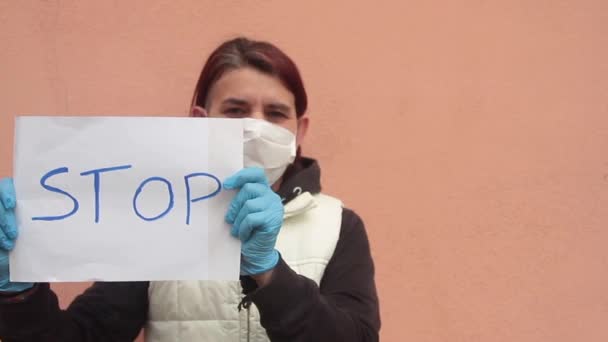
pixel 140 188
pixel 96 176
pixel 189 199
pixel 59 191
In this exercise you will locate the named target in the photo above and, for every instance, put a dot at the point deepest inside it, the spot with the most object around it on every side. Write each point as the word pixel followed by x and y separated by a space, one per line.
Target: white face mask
pixel 269 147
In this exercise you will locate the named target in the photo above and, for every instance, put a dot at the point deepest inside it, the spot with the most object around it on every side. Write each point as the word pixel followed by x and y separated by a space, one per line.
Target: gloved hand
pixel 256 216
pixel 8 234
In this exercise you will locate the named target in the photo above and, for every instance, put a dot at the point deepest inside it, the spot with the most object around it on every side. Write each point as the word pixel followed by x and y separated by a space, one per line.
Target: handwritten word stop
pixel 97 176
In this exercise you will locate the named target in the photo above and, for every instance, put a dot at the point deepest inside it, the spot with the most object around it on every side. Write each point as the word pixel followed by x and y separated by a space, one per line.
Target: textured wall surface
pixel 472 136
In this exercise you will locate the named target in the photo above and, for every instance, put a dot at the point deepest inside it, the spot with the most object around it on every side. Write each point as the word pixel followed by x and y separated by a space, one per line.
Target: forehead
pixel 252 86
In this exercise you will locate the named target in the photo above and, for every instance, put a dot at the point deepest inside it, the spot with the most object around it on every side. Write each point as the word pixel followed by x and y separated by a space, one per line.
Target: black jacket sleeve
pixel 343 308
pixel 104 312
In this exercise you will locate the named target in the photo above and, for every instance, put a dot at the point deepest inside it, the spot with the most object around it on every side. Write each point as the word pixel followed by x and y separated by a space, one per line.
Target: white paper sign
pixel 124 198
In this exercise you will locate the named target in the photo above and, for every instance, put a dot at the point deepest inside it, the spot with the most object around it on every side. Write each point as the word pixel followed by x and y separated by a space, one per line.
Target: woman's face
pixel 248 93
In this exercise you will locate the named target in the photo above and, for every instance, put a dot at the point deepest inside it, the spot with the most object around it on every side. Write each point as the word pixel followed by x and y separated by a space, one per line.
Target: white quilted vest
pixel 201 311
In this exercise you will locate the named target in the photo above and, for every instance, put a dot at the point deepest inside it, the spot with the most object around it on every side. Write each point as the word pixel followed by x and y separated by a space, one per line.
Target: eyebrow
pixel 272 106
pixel 235 101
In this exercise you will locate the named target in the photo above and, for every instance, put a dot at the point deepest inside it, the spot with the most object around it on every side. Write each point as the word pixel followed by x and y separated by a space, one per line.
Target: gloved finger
pixel 3 221
pixel 234 231
pixel 8 223
pixel 7 193
pixel 251 206
pixel 247 192
pixel 5 242
pixel 244 176
pixel 249 223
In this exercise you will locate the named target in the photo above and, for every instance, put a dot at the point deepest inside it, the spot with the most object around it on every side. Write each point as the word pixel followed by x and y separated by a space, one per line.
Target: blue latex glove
pixel 8 234
pixel 256 216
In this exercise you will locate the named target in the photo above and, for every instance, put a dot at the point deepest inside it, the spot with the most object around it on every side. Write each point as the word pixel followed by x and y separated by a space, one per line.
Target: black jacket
pixel 292 307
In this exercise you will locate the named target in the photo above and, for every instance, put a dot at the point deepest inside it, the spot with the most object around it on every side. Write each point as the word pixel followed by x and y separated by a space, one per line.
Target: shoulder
pixel 352 226
pixel 351 222
pixel 351 218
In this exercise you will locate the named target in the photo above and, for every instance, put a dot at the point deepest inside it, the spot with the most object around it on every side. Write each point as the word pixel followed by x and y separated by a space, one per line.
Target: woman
pixel 307 271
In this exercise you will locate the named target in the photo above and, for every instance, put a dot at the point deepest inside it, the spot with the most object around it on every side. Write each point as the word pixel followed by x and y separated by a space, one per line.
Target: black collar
pixel 304 175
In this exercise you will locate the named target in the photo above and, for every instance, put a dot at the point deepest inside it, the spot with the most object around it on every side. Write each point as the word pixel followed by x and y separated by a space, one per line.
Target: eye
pixel 275 114
pixel 234 112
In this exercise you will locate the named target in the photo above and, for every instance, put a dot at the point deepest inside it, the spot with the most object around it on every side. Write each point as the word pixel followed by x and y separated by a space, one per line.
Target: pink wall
pixel 471 136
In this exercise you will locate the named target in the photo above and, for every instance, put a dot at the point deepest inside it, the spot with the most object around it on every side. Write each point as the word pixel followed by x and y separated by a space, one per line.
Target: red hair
pixel 262 56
